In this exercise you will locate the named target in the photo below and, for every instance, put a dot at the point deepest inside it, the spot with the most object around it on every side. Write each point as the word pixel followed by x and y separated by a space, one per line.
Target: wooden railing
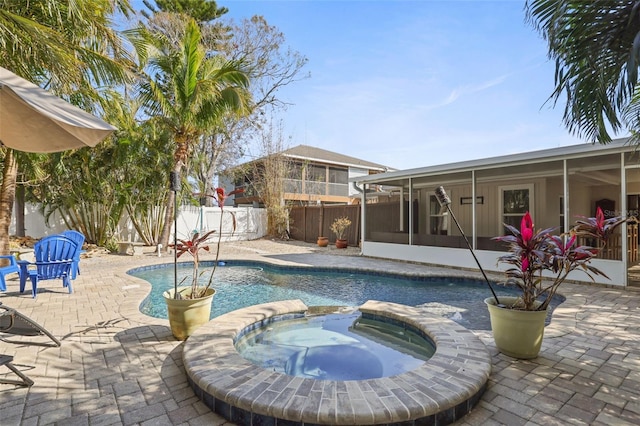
pixel 612 249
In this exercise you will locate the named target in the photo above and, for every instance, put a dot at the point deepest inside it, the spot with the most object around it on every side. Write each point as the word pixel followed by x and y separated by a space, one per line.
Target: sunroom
pixel 402 218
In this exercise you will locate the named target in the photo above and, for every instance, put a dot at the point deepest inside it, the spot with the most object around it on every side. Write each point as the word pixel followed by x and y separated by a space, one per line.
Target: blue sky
pixel 415 83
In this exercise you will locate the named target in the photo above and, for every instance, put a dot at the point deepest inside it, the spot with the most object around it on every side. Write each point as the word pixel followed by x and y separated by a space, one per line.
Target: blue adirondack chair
pixel 78 238
pixel 54 259
pixel 8 269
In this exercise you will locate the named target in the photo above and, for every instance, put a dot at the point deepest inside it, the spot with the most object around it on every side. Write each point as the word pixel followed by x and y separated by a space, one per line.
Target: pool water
pixel 336 346
pixel 241 284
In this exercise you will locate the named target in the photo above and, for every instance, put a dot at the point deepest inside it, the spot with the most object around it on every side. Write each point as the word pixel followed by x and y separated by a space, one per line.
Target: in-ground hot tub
pixel 330 344
pixel 440 390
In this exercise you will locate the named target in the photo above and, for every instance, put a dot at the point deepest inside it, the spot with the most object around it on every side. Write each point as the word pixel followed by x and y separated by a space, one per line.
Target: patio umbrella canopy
pixel 34 120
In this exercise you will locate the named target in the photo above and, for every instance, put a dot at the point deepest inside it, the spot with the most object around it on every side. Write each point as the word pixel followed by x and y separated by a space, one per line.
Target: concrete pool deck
pixel 118 366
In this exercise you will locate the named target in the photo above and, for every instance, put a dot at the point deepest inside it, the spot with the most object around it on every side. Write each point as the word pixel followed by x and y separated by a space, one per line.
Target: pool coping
pixel 440 391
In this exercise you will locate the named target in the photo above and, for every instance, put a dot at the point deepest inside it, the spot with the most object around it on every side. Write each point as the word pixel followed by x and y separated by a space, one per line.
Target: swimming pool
pixel 240 284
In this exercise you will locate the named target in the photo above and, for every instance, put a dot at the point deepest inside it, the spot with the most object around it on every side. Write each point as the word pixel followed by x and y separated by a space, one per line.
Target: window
pixel 316 173
pixel 438 217
pixel 515 202
pixel 294 171
pixel 338 175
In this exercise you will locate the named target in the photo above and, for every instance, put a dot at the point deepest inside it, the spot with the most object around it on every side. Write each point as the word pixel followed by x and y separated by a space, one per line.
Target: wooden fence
pixel 307 223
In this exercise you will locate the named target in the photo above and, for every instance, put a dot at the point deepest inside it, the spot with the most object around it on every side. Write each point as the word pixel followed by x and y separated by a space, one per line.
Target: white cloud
pixel 461 91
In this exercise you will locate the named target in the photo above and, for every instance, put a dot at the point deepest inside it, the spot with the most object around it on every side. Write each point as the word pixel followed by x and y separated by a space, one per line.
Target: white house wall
pixel 488 213
pixel 460 258
pixel 593 173
pixel 547 193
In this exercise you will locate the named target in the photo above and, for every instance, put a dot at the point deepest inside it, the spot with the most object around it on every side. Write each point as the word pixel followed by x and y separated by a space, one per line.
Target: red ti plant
pixel 199 242
pixel 533 252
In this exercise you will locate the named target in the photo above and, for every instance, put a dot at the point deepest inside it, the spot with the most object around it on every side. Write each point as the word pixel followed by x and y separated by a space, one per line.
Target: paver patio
pixel 118 366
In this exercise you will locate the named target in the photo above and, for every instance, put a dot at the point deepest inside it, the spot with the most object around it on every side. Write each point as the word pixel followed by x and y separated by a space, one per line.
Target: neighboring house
pixel 316 176
pixel 556 185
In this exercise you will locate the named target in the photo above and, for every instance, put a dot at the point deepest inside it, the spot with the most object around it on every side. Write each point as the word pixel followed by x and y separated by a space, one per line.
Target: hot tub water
pixel 335 346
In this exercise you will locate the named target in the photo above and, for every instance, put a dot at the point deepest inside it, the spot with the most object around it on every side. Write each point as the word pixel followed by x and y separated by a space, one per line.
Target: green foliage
pixel 196 92
pixel 596 49
pixel 72 47
pixel 91 188
pixel 191 92
pixel 112 244
pixel 188 94
pixel 200 10
pixel 142 166
pixel 69 47
pixel 80 186
pixel 261 48
pixel 534 252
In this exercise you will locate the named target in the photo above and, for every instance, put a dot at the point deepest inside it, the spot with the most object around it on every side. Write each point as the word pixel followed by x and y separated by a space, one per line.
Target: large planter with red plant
pixel 189 307
pixel 186 314
pixel 539 263
pixel 517 333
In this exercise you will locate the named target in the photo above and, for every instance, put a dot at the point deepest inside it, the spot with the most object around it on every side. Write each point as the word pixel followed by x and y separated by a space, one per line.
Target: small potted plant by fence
pixel 190 306
pixel 539 263
pixel 339 227
pixel 323 241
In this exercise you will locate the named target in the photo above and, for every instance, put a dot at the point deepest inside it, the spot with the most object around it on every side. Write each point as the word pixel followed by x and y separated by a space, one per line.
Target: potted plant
pixel 190 306
pixel 323 241
pixel 539 263
pixel 338 227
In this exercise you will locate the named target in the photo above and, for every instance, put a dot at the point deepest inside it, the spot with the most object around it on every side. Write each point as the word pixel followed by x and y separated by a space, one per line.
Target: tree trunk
pixel 20 229
pixel 169 213
pixel 7 195
pixel 168 222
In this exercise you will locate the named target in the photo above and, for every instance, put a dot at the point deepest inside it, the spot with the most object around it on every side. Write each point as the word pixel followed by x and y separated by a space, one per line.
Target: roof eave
pixel 503 160
pixel 321 160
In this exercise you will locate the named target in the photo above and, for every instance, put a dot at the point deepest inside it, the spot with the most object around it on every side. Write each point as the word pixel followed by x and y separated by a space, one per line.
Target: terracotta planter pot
pixel 186 315
pixel 323 241
pixel 341 244
pixel 517 334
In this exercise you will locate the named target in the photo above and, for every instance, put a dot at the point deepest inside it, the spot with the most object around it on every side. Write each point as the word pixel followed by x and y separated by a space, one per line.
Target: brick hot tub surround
pixel 440 391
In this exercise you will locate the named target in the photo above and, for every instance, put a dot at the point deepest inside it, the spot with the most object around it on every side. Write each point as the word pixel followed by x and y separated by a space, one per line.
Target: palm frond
pixel 596 49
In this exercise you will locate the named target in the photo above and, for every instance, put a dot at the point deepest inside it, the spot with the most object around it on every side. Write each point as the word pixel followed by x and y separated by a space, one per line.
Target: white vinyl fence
pixel 251 223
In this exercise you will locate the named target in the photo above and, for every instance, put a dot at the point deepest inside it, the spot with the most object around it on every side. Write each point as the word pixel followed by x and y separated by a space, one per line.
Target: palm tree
pixel 70 47
pixel 67 46
pixel 200 10
pixel 595 45
pixel 190 95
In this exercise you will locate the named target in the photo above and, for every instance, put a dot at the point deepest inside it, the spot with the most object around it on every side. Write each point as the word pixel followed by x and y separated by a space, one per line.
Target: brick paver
pixel 117 366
